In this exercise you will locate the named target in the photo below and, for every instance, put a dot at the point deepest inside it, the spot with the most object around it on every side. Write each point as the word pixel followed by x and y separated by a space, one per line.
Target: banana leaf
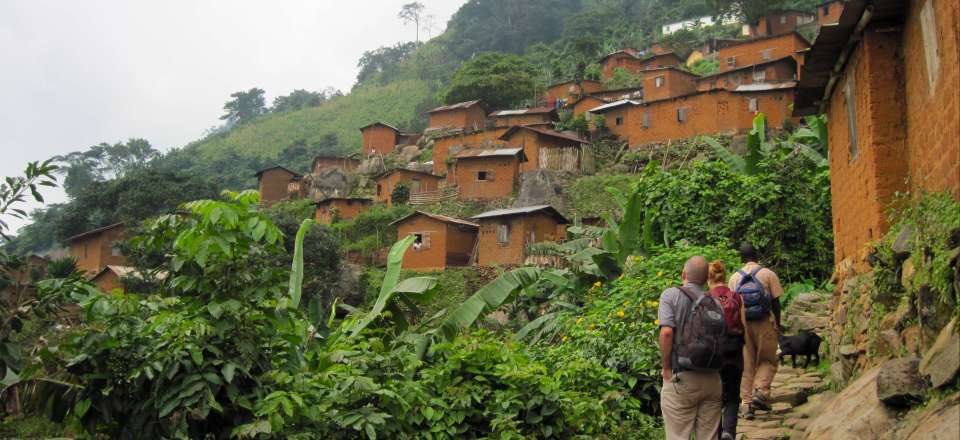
pixel 394 261
pixel 732 160
pixel 488 298
pixel 295 290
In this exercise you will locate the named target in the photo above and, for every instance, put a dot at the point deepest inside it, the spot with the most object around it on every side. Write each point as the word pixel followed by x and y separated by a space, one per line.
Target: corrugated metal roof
pixel 542 131
pixel 614 104
pixel 457 106
pixel 521 211
pixel 760 87
pixel 355 199
pixel 498 152
pixel 438 217
pixel 523 111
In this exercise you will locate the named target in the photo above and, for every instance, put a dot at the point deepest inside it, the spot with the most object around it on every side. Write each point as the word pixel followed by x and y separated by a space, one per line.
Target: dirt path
pixel 792 388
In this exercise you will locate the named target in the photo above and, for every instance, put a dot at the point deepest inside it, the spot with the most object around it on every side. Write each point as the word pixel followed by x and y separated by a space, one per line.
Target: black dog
pixel 805 343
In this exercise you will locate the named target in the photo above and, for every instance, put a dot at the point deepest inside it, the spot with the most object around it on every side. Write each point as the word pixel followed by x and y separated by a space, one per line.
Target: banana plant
pixel 808 141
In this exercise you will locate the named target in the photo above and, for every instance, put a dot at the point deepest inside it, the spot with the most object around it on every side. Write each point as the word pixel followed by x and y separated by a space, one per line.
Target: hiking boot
pixel 760 401
pixel 747 413
pixel 726 436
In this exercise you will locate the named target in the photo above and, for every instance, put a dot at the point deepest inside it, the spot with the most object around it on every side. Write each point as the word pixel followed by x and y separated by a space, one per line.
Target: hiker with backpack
pixel 760 290
pixel 731 369
pixel 692 329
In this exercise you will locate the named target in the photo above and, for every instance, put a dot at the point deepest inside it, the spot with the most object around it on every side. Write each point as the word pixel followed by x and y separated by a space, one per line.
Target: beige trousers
pixel 692 402
pixel 759 358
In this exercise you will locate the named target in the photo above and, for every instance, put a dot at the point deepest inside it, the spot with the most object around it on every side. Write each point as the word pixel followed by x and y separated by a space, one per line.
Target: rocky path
pixel 796 392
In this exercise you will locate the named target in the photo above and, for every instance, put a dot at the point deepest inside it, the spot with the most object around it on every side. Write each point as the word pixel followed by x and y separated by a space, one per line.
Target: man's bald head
pixel 695 270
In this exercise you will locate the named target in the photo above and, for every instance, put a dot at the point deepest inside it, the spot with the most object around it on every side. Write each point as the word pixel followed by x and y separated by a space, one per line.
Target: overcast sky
pixel 77 73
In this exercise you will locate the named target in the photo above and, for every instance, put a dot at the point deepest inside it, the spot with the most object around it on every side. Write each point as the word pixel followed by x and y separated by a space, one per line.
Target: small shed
pixel 467 116
pixel 488 174
pixel 441 241
pixel 524 116
pixel 97 248
pixel 275 184
pixel 506 233
pixel 416 181
pixel 548 149
pixel 333 209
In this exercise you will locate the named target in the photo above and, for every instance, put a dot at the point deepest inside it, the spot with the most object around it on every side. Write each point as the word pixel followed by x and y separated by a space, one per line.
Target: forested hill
pixel 540 41
pixel 399 83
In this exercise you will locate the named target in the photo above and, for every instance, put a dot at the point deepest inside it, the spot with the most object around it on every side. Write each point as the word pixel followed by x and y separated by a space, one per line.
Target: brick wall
pixel 620 60
pixel 477 139
pixel 659 61
pixel 94 252
pixel 524 229
pixel 829 13
pixel 524 119
pixel 932 119
pixel 865 174
pixel 443 243
pixel 718 111
pixel 378 139
pixel 107 281
pixel 273 186
pixel 667 83
pixel 414 180
pixel 472 118
pixel 569 90
pixel 761 50
pixel 504 172
pixel 783 70
pixel 345 209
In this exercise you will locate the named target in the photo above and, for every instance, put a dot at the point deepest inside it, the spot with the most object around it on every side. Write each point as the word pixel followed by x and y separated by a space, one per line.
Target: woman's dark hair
pixel 748 252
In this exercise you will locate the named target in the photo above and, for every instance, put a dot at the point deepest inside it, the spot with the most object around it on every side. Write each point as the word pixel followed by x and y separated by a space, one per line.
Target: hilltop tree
pixel 500 80
pixel 381 63
pixel 245 106
pixel 412 13
pixel 104 161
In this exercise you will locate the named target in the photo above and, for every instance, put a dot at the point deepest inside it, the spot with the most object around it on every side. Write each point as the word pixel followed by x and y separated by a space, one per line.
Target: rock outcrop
pixel 856 413
pixel 942 361
pixel 899 383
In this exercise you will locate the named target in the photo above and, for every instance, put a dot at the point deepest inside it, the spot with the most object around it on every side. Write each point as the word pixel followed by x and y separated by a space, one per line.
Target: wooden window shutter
pixel 645 122
pixel 426 240
pixel 490 175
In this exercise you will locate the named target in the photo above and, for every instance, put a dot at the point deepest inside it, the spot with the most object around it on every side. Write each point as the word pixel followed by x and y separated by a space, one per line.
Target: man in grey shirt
pixel 690 400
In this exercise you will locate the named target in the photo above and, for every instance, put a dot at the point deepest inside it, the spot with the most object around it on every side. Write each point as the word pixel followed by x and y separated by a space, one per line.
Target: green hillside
pixel 266 137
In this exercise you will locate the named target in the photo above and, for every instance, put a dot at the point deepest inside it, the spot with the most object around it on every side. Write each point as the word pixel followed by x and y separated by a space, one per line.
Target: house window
pixel 752 105
pixel 379 189
pixel 783 19
pixel 503 233
pixel 851 101
pixel 682 115
pixel 658 81
pixel 645 121
pixel 928 26
pixel 484 176
pixel 731 61
pixel 421 241
pixel 619 120
pixel 766 54
pixel 759 75
pixel 826 9
pixel 115 249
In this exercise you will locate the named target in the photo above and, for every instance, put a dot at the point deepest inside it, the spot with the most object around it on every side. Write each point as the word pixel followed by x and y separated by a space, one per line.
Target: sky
pixel 74 74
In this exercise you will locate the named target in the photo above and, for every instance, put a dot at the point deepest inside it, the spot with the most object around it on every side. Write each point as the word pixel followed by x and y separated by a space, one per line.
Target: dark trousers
pixel 730 384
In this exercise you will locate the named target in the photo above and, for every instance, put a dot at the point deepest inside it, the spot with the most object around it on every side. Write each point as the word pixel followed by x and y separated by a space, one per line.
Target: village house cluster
pixel 884 72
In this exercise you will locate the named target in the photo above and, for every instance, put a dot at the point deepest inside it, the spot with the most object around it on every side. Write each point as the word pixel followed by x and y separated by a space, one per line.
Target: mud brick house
pixel 274 184
pixel 525 116
pixel 456 141
pixel 333 209
pixel 467 116
pixel 506 233
pixel 584 104
pixel 416 181
pixel 634 61
pixel 297 188
pixel 666 82
pixel 487 174
pixel 440 242
pixel 97 248
pixel 548 149
pixel 829 11
pixel 680 117
pixel 571 91
pixel 886 75
pixel 775 71
pixel 618 94
pixel 736 54
pixel 780 22
pixel 381 139
pixel 346 164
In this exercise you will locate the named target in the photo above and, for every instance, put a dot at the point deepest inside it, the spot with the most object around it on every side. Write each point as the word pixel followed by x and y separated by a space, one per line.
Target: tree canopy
pixel 500 80
pixel 245 106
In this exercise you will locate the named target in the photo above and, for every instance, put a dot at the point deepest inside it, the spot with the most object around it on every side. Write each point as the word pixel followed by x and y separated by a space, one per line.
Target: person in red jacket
pixel 732 369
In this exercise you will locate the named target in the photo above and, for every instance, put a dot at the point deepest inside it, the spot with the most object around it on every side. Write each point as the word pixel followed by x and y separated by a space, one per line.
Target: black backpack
pixel 756 303
pixel 701 335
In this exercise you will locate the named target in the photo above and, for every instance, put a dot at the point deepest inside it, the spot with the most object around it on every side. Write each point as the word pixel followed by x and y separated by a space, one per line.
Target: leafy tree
pixel 412 13
pixel 498 79
pixel 300 99
pixel 622 79
pixel 705 67
pixel 245 106
pixel 104 161
pixel 382 64
pixel 400 194
pixel 506 25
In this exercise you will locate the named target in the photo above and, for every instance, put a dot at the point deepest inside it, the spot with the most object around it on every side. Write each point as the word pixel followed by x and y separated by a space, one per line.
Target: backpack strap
pixel 753 274
pixel 743 279
pixel 690 296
